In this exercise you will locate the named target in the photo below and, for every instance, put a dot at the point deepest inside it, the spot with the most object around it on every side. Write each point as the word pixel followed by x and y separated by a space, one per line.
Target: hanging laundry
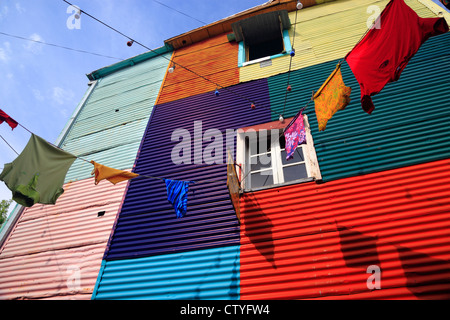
pixel 38 173
pixel 294 134
pixel 380 57
pixel 332 96
pixel 4 117
pixel 177 195
pixel 114 176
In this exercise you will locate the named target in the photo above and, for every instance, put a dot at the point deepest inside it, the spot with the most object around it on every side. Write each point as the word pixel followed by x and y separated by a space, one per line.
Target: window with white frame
pixel 262 156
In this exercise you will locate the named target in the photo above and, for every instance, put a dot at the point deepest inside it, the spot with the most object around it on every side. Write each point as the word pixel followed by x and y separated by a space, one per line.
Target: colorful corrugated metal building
pixel 362 211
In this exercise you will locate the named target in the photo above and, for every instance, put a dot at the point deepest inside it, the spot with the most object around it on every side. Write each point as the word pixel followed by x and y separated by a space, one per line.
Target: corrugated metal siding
pixel 215 59
pixel 316 241
pixel 323 33
pixel 49 241
pixel 211 274
pixel 119 107
pixel 406 128
pixel 147 224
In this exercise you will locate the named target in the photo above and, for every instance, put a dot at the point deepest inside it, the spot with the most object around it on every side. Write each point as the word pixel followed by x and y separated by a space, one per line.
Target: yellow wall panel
pixel 325 32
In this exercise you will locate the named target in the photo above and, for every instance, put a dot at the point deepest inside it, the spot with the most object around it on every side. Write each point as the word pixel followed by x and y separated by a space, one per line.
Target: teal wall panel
pixel 409 125
pixel 110 126
pixel 211 274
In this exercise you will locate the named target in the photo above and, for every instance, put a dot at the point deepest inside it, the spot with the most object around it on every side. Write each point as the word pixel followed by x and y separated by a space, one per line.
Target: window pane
pixel 298 156
pixel 260 162
pixel 259 146
pixel 294 172
pixel 261 179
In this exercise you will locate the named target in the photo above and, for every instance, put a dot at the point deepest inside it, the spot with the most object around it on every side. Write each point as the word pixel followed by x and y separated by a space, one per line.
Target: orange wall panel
pixel 316 241
pixel 215 59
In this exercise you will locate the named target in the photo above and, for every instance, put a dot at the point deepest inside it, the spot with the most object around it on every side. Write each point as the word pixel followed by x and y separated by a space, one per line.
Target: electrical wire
pixel 290 66
pixel 184 14
pixel 59 46
pixel 170 60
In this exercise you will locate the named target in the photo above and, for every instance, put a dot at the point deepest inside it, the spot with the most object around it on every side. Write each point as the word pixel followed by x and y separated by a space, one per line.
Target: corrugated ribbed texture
pixel 110 126
pixel 200 274
pixel 406 128
pixel 147 224
pixel 52 242
pixel 313 241
pixel 323 33
pixel 215 59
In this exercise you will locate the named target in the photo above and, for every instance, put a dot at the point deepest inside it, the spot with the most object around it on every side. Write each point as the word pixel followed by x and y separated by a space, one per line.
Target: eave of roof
pixel 201 33
pixel 224 25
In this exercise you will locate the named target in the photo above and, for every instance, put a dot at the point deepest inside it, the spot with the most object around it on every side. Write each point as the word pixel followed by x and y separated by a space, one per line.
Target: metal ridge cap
pixel 102 72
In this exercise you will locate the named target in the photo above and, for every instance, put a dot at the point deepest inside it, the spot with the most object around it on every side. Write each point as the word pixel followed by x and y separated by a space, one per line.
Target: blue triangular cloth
pixel 177 195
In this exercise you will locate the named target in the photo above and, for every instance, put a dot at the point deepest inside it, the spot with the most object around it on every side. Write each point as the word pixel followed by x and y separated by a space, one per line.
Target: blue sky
pixel 41 85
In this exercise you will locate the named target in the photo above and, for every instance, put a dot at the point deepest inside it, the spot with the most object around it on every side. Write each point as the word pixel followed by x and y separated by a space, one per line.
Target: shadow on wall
pixel 261 236
pixel 426 277
pixel 359 250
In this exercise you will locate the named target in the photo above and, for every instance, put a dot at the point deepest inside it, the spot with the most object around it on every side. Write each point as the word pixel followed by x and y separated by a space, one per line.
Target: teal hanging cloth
pixel 177 195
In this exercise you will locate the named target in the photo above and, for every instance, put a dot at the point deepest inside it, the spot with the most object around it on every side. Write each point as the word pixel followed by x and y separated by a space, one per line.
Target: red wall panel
pixel 310 240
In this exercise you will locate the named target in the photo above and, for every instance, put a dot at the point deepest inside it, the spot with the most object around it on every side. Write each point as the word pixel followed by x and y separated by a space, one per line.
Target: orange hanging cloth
pixel 112 175
pixel 332 96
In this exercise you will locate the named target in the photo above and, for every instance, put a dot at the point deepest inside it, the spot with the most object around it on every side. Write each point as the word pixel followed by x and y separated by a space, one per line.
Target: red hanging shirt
pixel 4 117
pixel 381 56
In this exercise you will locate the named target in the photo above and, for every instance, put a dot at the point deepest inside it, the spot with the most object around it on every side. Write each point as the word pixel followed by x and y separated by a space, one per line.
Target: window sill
pixel 261 60
pixel 280 185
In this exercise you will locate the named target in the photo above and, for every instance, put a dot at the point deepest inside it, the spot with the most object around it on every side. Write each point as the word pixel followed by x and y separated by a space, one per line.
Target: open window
pixel 262 37
pixel 261 155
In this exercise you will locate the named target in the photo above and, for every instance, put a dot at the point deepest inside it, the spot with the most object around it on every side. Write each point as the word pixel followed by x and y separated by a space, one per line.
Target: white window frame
pixel 243 156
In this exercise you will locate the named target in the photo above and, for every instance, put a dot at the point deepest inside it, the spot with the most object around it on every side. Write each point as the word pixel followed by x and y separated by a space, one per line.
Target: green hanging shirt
pixel 38 173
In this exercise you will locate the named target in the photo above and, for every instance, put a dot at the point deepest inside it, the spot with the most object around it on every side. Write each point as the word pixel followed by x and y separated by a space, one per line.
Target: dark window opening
pixel 265 49
pixel 262 35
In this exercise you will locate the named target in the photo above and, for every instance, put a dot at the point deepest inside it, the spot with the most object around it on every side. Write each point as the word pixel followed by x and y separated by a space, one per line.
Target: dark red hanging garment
pixel 381 56
pixel 4 117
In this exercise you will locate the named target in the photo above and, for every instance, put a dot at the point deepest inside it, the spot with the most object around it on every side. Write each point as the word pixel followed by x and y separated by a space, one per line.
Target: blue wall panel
pixel 211 274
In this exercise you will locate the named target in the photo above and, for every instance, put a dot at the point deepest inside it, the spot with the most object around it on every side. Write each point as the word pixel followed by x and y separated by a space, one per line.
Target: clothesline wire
pixel 9 145
pixel 217 85
pixel 339 63
pixel 140 175
pixel 169 59
pixel 54 144
pixel 362 37
pixel 290 65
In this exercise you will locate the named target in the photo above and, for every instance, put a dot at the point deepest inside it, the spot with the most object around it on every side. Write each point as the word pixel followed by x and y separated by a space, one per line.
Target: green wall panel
pixel 409 125
pixel 110 126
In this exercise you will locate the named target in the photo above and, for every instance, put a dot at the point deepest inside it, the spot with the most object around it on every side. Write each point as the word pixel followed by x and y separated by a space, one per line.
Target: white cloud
pixel 38 95
pixel 34 46
pixel 5 52
pixel 19 8
pixel 3 11
pixel 62 96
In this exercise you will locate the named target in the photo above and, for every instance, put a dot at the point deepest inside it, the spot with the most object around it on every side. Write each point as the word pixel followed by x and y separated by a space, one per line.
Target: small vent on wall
pixel 266 63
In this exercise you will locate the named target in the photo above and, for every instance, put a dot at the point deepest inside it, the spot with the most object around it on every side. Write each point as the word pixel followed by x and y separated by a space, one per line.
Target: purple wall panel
pixel 147 224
